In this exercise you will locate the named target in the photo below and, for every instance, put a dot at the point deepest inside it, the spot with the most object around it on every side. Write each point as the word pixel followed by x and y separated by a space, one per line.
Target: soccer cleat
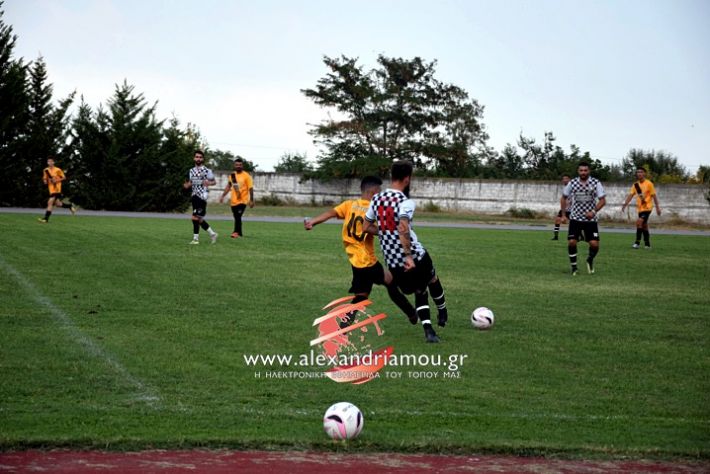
pixel 73 209
pixel 430 334
pixel 443 317
pixel 635 246
pixel 235 235
pixel 42 220
pixel 574 271
pixel 213 237
pixel 555 238
pixel 648 247
pixel 194 242
pixel 590 267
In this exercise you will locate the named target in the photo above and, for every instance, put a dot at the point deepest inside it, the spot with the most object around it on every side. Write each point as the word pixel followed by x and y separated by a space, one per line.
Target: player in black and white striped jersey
pixel 588 198
pixel 199 179
pixel 390 216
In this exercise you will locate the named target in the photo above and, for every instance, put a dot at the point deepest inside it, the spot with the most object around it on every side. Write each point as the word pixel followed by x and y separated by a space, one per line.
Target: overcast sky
pixel 604 75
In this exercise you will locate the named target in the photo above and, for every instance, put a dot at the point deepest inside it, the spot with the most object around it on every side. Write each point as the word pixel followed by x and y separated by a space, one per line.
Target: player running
pixel 360 249
pixel 390 215
pixel 588 198
pixel 53 176
pixel 199 179
pixel 645 197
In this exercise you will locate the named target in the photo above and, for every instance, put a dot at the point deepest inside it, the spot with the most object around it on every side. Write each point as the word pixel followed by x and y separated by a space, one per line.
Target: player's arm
pixel 405 239
pixel 251 197
pixel 46 177
pixel 226 190
pixel 658 206
pixel 369 227
pixel 600 204
pixel 308 224
pixel 626 202
pixel 563 205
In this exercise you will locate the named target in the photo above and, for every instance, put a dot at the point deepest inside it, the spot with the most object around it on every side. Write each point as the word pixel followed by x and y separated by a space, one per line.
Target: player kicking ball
pixel 390 217
pixel 367 271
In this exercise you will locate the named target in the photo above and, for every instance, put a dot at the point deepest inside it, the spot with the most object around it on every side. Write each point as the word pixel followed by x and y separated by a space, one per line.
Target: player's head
pixel 369 186
pixel 199 157
pixel 402 175
pixel 640 173
pixel 583 170
pixel 50 161
pixel 239 165
pixel 566 179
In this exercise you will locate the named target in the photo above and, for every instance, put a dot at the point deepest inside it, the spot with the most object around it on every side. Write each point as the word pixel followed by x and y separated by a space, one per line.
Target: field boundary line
pixel 63 320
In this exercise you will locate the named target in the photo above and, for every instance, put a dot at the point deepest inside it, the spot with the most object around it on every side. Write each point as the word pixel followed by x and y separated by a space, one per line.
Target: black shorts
pixel 199 207
pixel 417 279
pixel 56 195
pixel 589 230
pixel 644 215
pixel 364 278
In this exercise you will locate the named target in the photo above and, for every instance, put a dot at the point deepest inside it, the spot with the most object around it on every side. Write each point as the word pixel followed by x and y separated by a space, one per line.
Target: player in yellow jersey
pixel 645 198
pixel 53 176
pixel 360 249
pixel 242 188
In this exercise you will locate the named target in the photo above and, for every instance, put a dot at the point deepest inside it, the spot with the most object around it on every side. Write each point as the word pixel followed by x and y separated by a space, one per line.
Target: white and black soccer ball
pixel 343 420
pixel 482 318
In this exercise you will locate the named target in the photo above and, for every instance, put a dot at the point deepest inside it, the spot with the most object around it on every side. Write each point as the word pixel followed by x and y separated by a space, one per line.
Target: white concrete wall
pixel 686 202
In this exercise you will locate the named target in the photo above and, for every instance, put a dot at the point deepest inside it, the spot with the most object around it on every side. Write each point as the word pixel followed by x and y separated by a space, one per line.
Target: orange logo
pixel 347 335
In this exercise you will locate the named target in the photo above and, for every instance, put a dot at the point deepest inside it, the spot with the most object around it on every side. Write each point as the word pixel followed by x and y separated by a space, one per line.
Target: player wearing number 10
pixel 360 249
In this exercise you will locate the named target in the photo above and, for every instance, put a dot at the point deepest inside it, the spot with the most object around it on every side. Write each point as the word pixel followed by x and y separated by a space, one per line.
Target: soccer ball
pixel 482 318
pixel 343 420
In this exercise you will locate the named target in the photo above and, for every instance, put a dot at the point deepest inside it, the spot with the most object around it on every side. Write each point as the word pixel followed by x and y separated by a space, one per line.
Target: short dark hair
pixel 401 170
pixel 566 175
pixel 239 159
pixel 641 168
pixel 369 182
pixel 583 163
pixel 200 152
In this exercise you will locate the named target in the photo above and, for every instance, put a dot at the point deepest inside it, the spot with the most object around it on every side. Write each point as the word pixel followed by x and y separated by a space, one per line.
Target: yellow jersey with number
pixel 241 184
pixel 56 173
pixel 644 195
pixel 358 244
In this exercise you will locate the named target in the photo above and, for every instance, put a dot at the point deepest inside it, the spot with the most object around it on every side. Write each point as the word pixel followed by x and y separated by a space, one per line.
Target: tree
pixel 13 117
pixel 293 163
pixel 661 166
pixel 122 160
pixel 397 111
pixel 224 160
pixel 46 133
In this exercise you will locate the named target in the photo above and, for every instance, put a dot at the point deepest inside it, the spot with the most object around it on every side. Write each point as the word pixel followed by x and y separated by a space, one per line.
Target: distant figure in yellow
pixel 242 187
pixel 53 176
pixel 645 198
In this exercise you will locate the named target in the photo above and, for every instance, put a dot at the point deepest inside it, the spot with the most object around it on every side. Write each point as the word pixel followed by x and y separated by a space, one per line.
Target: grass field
pixel 115 333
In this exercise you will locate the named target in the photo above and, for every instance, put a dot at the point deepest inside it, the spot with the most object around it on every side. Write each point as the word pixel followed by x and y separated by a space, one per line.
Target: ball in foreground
pixel 343 420
pixel 482 318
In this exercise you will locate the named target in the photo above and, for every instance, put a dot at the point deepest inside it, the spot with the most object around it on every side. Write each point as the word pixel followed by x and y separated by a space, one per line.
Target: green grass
pixel 115 333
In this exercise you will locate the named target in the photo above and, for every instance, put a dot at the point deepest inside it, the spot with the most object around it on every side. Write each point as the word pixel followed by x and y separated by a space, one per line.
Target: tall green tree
pixel 398 110
pixel 47 132
pixel 14 99
pixel 224 160
pixel 120 156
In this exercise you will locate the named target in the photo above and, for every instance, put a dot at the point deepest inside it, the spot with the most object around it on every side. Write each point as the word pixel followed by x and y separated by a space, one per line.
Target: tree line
pixel 121 156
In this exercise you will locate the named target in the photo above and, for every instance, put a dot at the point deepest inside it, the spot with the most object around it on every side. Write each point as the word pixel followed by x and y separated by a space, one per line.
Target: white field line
pixel 63 320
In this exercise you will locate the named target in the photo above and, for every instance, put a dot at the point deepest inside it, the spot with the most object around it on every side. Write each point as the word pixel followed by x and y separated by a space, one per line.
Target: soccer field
pixel 115 333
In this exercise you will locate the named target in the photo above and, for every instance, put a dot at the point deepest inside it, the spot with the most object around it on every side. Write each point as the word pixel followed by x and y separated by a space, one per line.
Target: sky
pixel 605 75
